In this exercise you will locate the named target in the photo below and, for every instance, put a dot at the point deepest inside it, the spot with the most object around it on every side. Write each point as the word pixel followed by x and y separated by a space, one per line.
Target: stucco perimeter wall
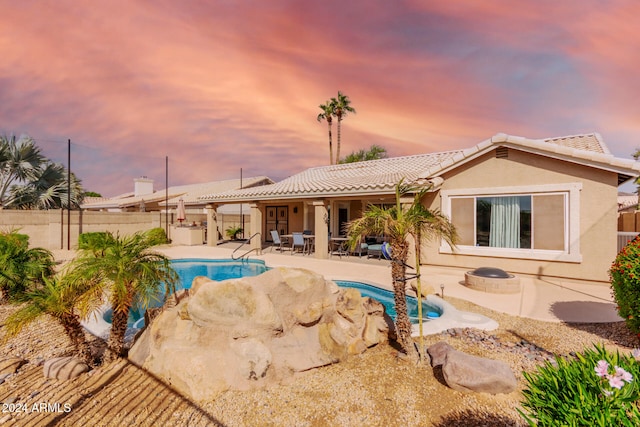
pixel 597 212
pixel 50 229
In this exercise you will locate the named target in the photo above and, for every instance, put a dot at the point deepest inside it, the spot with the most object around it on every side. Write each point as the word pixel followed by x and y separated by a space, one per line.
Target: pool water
pixel 221 269
pixel 188 269
pixel 386 298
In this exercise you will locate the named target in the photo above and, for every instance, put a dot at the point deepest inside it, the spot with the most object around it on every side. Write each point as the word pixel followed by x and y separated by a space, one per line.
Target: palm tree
pixel 427 224
pixel 57 299
pixel 20 161
pixel 21 267
pixel 341 107
pixel 397 223
pixel 327 114
pixel 48 189
pixel 129 273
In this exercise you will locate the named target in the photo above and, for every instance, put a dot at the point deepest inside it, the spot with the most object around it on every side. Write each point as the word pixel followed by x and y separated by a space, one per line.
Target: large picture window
pixel 533 224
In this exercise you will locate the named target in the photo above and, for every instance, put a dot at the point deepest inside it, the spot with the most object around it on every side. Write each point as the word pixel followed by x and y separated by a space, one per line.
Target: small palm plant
pixel 58 299
pixel 21 267
pixel 130 274
pixel 397 223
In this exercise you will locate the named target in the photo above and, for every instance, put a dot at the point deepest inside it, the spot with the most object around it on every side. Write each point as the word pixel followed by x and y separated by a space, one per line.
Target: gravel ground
pixel 377 388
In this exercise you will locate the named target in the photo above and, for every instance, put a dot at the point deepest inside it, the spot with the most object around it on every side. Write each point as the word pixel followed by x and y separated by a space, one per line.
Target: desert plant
pixel 596 388
pixel 57 299
pixel 130 273
pixel 232 232
pixel 398 222
pixel 625 283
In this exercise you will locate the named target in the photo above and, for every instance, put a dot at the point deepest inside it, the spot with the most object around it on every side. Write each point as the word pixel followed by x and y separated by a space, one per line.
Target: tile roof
pixel 587 142
pixel 381 176
pixel 370 177
pixel 189 193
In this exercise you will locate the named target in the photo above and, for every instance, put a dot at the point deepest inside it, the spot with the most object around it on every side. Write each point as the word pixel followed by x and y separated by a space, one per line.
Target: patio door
pixel 277 218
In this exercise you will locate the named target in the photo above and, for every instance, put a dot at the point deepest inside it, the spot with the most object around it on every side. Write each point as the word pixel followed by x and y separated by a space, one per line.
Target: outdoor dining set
pixel 304 242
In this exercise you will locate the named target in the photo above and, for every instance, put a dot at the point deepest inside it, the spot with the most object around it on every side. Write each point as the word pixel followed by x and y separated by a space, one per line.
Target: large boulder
pixel 468 373
pixel 256 331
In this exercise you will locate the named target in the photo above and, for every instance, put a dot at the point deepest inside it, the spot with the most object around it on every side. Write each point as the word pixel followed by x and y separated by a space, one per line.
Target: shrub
pixel 625 282
pixel 597 388
pixel 157 236
pixel 92 240
pixel 232 232
pixel 21 267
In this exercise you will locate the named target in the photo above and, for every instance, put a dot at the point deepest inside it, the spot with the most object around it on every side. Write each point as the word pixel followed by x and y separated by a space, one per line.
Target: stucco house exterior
pixel 544 207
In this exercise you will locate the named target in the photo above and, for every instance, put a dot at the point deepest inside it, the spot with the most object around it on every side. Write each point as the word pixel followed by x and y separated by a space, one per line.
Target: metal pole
pixel 69 195
pixel 241 215
pixel 166 195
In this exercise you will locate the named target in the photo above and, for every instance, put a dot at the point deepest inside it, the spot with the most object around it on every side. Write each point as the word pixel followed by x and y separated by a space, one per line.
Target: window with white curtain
pixel 539 222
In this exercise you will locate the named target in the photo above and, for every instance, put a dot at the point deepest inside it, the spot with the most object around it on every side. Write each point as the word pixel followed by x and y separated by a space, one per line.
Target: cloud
pixel 221 85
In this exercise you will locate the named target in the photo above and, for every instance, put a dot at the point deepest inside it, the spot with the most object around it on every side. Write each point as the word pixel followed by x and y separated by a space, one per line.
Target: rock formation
pixel 255 331
pixel 468 373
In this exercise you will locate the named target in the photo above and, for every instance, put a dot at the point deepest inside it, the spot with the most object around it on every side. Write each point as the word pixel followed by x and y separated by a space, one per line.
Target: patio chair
pixel 298 242
pixel 277 241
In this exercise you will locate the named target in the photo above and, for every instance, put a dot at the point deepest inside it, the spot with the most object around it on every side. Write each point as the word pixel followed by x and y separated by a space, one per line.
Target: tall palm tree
pixel 397 223
pixel 20 161
pixel 21 267
pixel 57 299
pixel 130 274
pixel 341 107
pixel 327 114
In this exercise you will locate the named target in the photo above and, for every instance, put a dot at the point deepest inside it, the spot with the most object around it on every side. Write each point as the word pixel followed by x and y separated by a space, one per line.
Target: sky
pixel 223 85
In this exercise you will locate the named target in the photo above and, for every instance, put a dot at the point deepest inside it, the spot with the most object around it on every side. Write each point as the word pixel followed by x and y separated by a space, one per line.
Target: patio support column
pixel 212 225
pixel 321 229
pixel 256 227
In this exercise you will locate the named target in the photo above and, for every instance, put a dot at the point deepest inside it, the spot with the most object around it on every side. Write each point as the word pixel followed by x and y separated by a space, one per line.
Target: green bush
pixel 232 232
pixel 625 282
pixel 92 240
pixel 597 388
pixel 157 236
pixel 21 267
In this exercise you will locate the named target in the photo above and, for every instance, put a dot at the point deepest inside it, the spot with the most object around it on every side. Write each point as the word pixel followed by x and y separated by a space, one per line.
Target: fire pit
pixel 493 280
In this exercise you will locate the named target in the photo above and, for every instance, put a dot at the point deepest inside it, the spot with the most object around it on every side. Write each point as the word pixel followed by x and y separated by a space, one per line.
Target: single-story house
pixel 145 199
pixel 558 194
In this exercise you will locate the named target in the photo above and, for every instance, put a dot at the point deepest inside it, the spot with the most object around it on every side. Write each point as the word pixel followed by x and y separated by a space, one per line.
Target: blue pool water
pixel 386 298
pixel 188 269
pixel 221 269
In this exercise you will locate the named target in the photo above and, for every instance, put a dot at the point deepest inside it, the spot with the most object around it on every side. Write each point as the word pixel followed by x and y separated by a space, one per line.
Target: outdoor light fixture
pixel 442 290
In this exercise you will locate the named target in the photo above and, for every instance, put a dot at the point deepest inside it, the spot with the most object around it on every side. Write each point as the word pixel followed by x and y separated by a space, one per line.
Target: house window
pixel 535 222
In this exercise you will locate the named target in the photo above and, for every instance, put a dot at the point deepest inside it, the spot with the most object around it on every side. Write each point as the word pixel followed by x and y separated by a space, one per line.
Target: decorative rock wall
pixel 255 331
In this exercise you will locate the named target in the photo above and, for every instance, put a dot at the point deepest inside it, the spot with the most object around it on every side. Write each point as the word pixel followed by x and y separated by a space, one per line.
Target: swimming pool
pixel 188 269
pixel 221 269
pixel 386 298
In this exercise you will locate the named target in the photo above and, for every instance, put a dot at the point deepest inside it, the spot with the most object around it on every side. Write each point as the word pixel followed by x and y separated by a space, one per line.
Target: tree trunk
pixel 330 144
pixel 403 324
pixel 115 345
pixel 74 331
pixel 338 145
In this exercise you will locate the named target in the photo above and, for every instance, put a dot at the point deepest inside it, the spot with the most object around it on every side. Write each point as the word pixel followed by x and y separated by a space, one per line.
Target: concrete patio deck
pixel 549 299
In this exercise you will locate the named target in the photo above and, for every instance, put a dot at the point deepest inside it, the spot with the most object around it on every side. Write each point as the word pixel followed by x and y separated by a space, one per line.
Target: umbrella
pixel 180 212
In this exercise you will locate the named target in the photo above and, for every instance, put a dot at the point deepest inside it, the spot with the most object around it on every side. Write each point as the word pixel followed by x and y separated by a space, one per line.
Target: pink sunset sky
pixel 221 85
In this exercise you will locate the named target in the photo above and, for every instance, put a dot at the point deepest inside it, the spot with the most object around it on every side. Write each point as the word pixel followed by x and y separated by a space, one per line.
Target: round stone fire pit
pixel 494 280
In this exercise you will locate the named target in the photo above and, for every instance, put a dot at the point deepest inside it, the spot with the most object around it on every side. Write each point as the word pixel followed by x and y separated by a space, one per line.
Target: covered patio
pixel 321 201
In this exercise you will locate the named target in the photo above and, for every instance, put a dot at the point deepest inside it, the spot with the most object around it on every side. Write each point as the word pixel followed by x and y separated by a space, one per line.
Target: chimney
pixel 142 186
